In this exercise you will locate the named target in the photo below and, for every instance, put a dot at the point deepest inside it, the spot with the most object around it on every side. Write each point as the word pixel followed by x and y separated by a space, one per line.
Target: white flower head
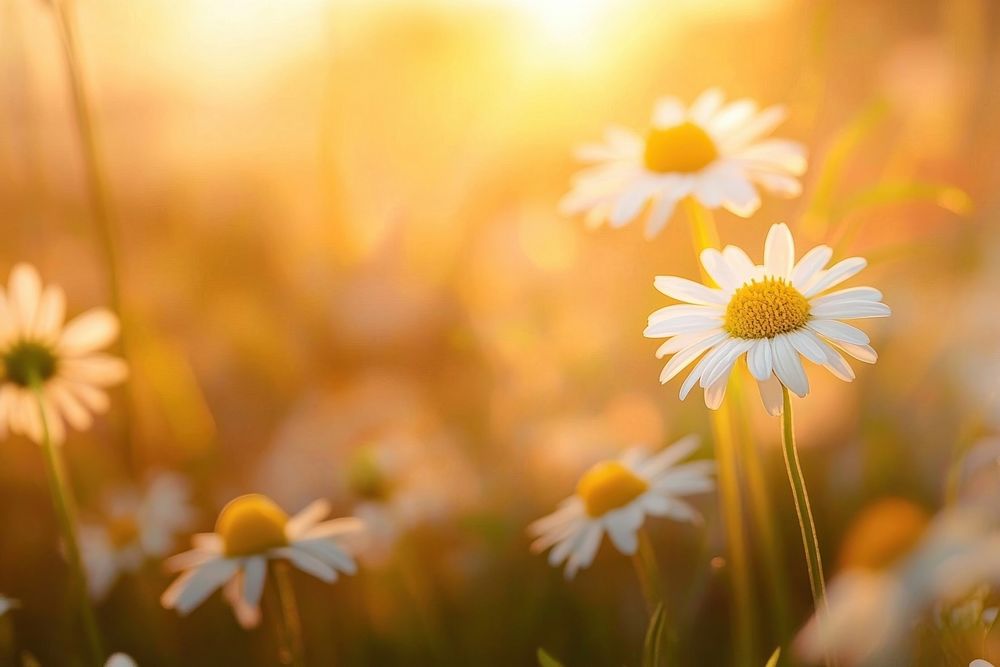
pixel 37 348
pixel 120 660
pixel 774 313
pixel 137 526
pixel 711 151
pixel 615 496
pixel 252 530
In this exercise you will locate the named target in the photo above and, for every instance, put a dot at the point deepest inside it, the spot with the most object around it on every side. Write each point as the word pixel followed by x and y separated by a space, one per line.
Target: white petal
pixel 779 251
pixel 759 360
pixel 254 575
pixel 849 294
pixel 771 395
pixel 668 112
pixel 811 262
pixel 718 268
pixel 715 393
pixel 313 513
pixel 839 331
pixel 683 359
pixel 660 215
pixel 693 377
pixel 863 353
pixel 623 537
pixel 724 357
pixel 837 365
pixel 205 581
pixel 835 275
pixel 683 341
pixel 51 310
pixel 808 345
pixel 307 563
pixel 788 366
pixel 689 291
pixel 90 331
pixel 23 293
pixel 743 267
pixel 850 310
pixel 102 370
pixel 706 106
pixel 760 125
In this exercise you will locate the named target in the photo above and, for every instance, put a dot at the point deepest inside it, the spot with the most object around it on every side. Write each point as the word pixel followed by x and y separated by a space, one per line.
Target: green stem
pixel 97 186
pixel 292 650
pixel 648 571
pixel 762 514
pixel 704 235
pixel 62 499
pixel 814 562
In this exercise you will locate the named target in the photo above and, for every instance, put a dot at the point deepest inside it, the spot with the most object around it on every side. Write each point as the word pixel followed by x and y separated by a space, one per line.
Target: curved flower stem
pixel 97 185
pixel 62 499
pixel 809 540
pixel 648 572
pixel 704 235
pixel 292 651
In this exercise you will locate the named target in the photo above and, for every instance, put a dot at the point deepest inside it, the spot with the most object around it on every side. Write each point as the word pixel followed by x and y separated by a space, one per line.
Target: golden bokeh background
pixel 339 235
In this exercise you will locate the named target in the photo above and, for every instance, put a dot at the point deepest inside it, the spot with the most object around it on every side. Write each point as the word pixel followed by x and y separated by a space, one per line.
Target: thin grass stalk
pixel 62 500
pixel 704 235
pixel 97 187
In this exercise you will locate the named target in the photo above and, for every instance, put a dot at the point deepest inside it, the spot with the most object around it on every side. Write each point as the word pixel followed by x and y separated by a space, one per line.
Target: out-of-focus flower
pixel 614 497
pixel 979 662
pixel 120 660
pixel 37 348
pixel 774 313
pixel 250 531
pixel 6 604
pixel 376 447
pixel 873 607
pixel 710 151
pixel 136 527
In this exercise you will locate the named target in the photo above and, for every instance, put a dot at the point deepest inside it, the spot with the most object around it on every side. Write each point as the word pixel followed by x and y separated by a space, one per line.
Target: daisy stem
pixel 814 562
pixel 62 499
pixel 647 570
pixel 292 645
pixel 97 186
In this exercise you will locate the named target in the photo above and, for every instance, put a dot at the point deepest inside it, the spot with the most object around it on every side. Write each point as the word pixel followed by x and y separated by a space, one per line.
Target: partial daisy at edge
pixel 252 531
pixel 773 315
pixel 63 359
pixel 714 152
pixel 614 497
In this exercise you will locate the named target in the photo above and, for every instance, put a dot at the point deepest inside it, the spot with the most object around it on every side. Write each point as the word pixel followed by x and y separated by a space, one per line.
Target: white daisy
pixel 614 497
pixel 772 313
pixel 37 347
pixel 710 151
pixel 250 531
pixel 137 527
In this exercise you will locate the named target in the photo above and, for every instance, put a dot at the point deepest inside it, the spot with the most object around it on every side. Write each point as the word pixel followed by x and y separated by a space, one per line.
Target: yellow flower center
pixel 765 309
pixel 686 148
pixel 608 486
pixel 251 524
pixel 123 531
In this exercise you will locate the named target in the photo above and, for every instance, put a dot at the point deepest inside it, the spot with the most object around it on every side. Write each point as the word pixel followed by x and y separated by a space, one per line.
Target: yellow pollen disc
pixel 123 531
pixel 685 148
pixel 765 309
pixel 608 486
pixel 251 524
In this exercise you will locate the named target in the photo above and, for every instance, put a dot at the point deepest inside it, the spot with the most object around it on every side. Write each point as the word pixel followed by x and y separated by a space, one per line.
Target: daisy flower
pixel 774 314
pixel 710 151
pixel 138 527
pixel 614 497
pixel 252 530
pixel 63 360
